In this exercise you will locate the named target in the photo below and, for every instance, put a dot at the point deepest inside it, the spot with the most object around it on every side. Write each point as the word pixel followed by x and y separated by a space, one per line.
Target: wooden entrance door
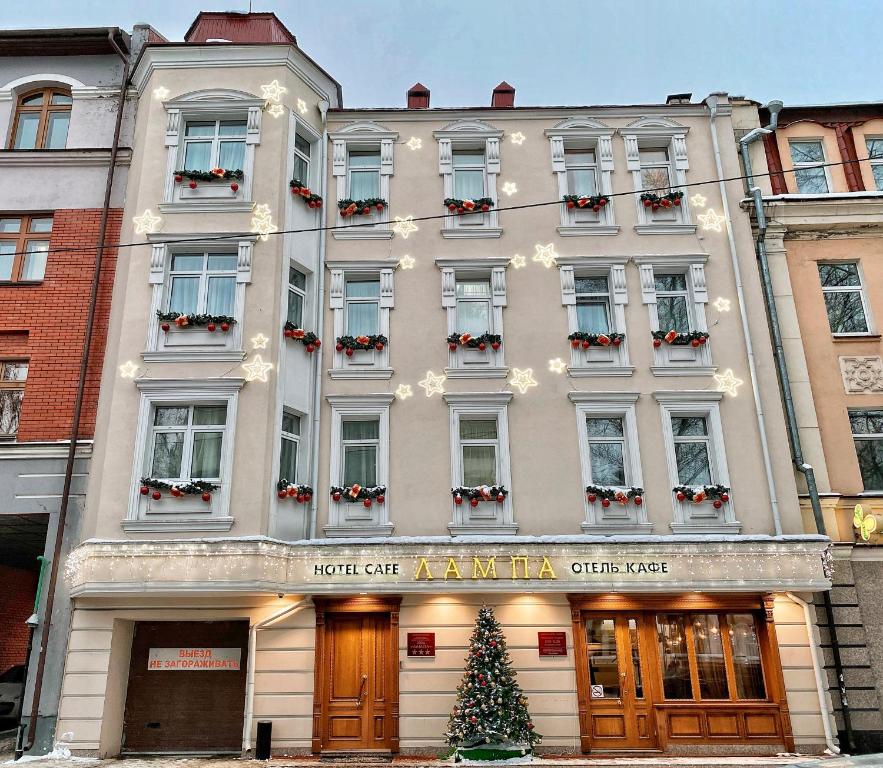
pixel 357 693
pixel 620 708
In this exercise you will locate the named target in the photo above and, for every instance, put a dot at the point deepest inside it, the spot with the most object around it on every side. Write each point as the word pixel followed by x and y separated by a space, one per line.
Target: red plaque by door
pixel 421 643
pixel 552 643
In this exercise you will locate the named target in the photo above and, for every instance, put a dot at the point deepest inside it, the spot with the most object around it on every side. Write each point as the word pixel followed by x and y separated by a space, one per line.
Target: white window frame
pixel 203 276
pixel 584 133
pixel 597 361
pixel 362 136
pixel 860 289
pixel 671 360
pixel 473 363
pixel 364 364
pixel 194 344
pixel 188 513
pixel 616 518
pixel 14 385
pixel 488 517
pixel 465 135
pixel 301 292
pixel 216 140
pixel 801 166
pixel 874 162
pixel 658 133
pixel 216 197
pixel 292 438
pixel 354 519
pixel 306 178
pixel 866 436
pixel 295 210
pixel 691 518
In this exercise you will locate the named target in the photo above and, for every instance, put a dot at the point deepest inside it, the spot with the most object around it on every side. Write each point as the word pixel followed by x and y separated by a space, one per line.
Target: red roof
pixel 238 28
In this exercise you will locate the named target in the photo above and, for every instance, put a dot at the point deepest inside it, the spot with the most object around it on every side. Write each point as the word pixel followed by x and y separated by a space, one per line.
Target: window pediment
pixel 363 128
pixel 468 129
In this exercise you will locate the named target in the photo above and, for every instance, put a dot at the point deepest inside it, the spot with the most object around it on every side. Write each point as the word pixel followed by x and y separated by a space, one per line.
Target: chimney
pixel 418 97
pixel 503 96
pixel 678 98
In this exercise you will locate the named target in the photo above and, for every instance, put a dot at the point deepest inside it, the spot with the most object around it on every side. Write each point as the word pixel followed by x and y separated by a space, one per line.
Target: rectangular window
pixel 671 633
pixel 867 434
pixel 655 170
pixel 364 175
pixel 202 283
pixel 582 176
pixel 360 441
pixel 24 247
pixel 673 302
pixel 13 374
pixel 607 450
pixel 469 168
pixel 473 306
pixel 479 450
pixel 875 155
pixel 692 450
pixel 186 442
pixel 214 144
pixel 592 304
pixel 362 299
pixel 603 655
pixel 297 285
pixel 290 444
pixel 747 665
pixel 808 159
pixel 709 648
pixel 844 299
pixel 301 159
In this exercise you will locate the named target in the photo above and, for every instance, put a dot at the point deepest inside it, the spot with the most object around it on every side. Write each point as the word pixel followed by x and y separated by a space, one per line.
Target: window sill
pixel 207 206
pixel 683 370
pixel 361 373
pixel 22 283
pixel 582 230
pixel 360 531
pixel 578 372
pixel 478 372
pixel 362 233
pixel 703 529
pixel 467 234
pixel 208 524
pixel 847 337
pixel 607 529
pixel 665 229
pixel 476 529
pixel 194 356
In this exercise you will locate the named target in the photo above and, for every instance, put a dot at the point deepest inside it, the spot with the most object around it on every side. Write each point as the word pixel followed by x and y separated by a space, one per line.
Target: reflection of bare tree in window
pixel 842 289
pixel 691 450
pixel 655 180
pixel 867 431
pixel 10 411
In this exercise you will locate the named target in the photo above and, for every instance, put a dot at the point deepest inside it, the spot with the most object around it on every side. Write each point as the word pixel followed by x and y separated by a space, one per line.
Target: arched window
pixel 42 118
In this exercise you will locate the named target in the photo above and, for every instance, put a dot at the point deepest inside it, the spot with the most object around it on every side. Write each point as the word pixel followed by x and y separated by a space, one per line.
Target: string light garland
pixel 355 493
pixel 349 345
pixel 585 340
pixel 481 342
pixel 211 323
pixel 300 189
pixel 201 488
pixel 608 494
pixel 718 495
pixel 309 339
pixel 479 493
pixel 302 494
pixel 693 338
pixel 350 207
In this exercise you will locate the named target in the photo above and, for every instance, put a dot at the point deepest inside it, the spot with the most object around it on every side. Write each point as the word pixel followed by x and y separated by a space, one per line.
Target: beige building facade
pixel 303 533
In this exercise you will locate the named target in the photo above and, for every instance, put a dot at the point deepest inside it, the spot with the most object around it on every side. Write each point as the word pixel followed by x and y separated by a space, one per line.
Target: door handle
pixel 362 690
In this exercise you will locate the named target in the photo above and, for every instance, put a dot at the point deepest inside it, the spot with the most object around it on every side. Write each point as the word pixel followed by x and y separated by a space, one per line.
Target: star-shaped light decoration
pixel 146 223
pixel 727 382
pixel 257 369
pixel 273 91
pixel 510 188
pixel 517 138
pixel 404 391
pixel 523 380
pixel 557 365
pixel 277 110
pixel 721 304
pixel 414 143
pixel 404 227
pixel 432 384
pixel 518 261
pixel 698 200
pixel 259 342
pixel 302 106
pixel 128 370
pixel 262 222
pixel 407 262
pixel 545 254
pixel 161 93
pixel 711 221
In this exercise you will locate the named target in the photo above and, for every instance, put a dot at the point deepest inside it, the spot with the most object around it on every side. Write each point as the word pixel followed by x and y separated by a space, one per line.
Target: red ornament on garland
pixel 571 204
pixel 211 327
pixel 144 490
pixel 677 201
pixel 452 347
pixel 206 497
pixel 339 347
pixel 336 496
pixel 234 186
pixel 381 498
pixel 282 494
pixel 657 343
pixel 648 203
pixel 586 344
pixel 165 327
pixel 717 504
pixel 725 497
pixel 681 496
pixel 379 347
pixel 616 341
pixel 638 500
pixel 605 502
pixel 225 327
pixel 482 346
pixel 574 343
pixel 310 348
pixel 367 502
pixel 192 185
pixel 703 339
pixel 179 178
pixel 156 495
pixel 349 351
pixel 500 498
pixel 695 343
pixel 473 502
pixel 458 499
pixel 592 498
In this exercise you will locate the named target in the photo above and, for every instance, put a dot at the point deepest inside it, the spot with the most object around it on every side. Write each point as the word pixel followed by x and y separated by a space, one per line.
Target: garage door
pixel 186 687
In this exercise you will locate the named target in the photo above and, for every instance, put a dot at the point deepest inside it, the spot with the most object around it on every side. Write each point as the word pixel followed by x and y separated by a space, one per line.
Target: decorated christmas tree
pixel 490 720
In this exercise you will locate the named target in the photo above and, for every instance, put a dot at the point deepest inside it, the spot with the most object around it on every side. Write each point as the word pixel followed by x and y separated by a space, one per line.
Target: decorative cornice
pixel 212 386
pixel 477 398
pixel 603 397
pixel 364 265
pixel 200 238
pixel 63 158
pixel 592 261
pixel 687 396
pixel 670 259
pixel 486 262
pixel 374 399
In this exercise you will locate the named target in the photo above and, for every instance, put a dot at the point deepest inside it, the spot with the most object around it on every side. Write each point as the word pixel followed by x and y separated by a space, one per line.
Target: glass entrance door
pixel 619 706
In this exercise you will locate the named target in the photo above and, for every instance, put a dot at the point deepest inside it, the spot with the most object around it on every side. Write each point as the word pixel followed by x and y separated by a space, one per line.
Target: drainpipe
pixel 712 102
pixel 32 623
pixel 787 397
pixel 821 686
pixel 320 325
pixel 78 402
pixel 252 652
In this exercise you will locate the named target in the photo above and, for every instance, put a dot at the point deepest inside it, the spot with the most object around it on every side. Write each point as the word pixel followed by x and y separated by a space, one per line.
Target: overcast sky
pixel 552 51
